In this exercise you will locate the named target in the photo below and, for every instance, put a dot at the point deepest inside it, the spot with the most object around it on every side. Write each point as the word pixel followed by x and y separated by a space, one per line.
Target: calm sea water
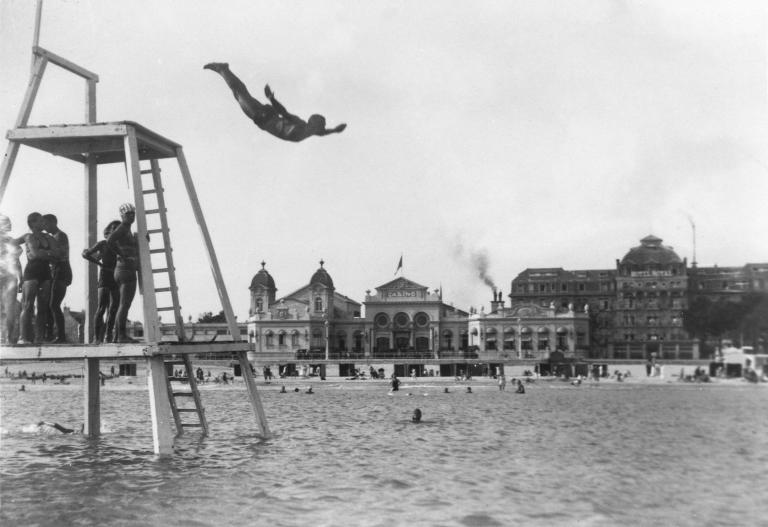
pixel 634 454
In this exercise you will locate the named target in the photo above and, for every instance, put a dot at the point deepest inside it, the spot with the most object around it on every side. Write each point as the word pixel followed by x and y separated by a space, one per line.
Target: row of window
pixel 675 284
pixel 564 287
pixel 318 305
pixel 675 320
pixel 401 320
pixel 654 337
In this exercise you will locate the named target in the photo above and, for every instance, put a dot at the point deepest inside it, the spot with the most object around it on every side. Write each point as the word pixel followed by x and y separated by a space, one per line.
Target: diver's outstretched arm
pixel 336 130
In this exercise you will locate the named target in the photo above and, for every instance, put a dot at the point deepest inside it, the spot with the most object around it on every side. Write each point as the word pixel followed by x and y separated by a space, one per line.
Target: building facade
pixel 403 322
pixel 636 310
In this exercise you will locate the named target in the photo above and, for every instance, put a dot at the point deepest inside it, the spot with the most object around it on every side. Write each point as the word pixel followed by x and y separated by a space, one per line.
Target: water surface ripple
pixel 348 455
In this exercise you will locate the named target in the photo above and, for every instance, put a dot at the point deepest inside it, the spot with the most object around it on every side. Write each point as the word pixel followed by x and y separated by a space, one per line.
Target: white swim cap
pixel 127 207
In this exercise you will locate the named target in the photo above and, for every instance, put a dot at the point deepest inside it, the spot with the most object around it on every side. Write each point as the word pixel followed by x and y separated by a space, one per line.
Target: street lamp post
pixel 327 337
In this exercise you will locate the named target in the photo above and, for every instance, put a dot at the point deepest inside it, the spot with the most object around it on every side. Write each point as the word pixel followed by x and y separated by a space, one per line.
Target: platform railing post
pixel 91 214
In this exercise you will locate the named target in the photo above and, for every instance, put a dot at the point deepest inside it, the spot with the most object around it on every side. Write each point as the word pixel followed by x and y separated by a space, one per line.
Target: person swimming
pixel 282 390
pixel 43 427
pixel 416 416
pixel 469 389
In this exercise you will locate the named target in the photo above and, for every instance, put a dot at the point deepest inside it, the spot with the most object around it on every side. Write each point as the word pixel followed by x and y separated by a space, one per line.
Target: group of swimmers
pixel 42 283
pixel 47 274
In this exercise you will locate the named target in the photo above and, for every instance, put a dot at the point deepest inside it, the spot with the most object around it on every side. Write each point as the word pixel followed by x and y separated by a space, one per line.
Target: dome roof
pixel 651 251
pixel 321 276
pixel 262 279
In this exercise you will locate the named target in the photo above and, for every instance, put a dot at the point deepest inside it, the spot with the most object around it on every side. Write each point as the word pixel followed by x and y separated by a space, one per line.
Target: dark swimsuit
pixel 62 272
pixel 38 269
pixel 108 263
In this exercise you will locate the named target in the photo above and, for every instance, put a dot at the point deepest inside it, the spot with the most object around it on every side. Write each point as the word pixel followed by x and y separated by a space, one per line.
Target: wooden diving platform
pixel 133 350
pixel 98 143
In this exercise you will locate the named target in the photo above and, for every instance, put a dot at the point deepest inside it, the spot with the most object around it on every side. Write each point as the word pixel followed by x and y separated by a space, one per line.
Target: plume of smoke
pixel 480 262
pixel 477 258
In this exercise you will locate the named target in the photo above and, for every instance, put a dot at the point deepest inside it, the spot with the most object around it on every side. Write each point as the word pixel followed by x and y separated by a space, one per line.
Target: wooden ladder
pixel 165 266
pixel 193 393
pixel 166 297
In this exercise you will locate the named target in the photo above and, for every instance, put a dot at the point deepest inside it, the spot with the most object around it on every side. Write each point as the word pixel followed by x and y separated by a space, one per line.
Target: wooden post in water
pixel 91 398
pixel 159 406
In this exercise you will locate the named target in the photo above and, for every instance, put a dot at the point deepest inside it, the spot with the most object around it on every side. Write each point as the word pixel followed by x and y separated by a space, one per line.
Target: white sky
pixel 540 133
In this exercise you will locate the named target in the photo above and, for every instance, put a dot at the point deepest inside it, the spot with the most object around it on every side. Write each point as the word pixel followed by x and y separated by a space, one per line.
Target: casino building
pixel 402 323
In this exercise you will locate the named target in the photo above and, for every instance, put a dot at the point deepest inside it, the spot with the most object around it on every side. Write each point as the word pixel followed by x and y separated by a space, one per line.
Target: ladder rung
pixel 156 251
pixel 192 425
pixel 182 394
pixel 154 211
pixel 149 191
pixel 163 289
pixel 146 171
pixel 163 270
pixel 186 410
pixel 166 308
pixel 154 231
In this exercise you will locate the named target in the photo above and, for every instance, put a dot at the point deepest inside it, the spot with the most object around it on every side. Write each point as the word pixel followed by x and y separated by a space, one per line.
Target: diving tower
pixel 97 143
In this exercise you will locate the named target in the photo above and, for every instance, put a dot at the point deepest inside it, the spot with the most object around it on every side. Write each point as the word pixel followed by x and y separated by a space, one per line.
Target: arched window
pixel 526 339
pixel 317 338
pixel 259 305
pixel 448 339
pixel 281 338
pixel 294 338
pixel 270 338
pixel 341 340
pixel 509 339
pixel 562 338
pixel 401 320
pixel 381 320
pixel 358 341
pixel 421 319
pixel 543 338
pixel 490 339
pixel 318 304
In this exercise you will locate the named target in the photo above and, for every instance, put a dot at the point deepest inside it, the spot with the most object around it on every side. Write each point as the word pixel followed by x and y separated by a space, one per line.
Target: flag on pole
pixel 399 264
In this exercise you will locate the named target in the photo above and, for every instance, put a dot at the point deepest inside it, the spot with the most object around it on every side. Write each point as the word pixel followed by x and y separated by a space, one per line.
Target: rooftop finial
pixel 321 263
pixel 263 263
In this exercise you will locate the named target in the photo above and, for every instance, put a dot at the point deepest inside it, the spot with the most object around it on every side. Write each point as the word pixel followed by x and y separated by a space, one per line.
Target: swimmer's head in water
pixel 416 415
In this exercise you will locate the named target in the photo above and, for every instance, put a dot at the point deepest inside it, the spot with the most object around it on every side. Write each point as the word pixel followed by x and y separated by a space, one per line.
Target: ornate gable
pixel 528 311
pixel 401 289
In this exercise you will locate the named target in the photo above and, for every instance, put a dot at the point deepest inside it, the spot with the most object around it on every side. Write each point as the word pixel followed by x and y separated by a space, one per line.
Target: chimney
pixel 497 302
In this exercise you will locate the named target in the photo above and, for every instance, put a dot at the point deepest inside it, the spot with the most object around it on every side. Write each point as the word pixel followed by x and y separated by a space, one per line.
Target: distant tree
pixel 208 317
pixel 745 320
pixel 696 318
pixel 754 322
